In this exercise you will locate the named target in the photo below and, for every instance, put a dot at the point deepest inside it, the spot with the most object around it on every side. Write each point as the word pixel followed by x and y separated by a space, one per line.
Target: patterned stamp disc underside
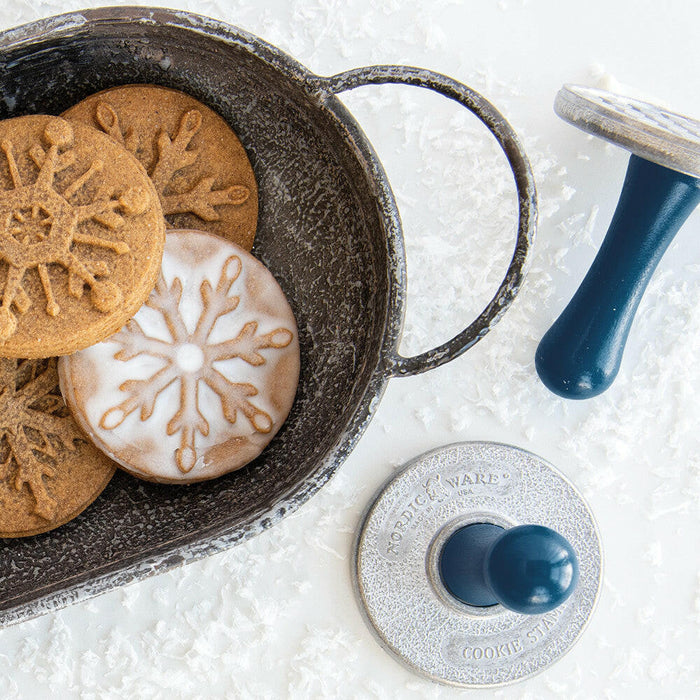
pixel 649 131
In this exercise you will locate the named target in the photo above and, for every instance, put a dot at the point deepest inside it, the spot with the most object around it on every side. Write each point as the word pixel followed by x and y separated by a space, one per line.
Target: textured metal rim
pixel 653 133
pixel 395 564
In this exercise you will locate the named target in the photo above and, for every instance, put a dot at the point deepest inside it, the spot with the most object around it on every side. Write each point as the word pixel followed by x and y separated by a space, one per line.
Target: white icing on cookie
pixel 200 380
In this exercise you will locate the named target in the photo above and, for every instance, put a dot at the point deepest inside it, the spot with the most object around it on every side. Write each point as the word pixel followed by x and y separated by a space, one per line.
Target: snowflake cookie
pixel 49 471
pixel 204 375
pixel 82 236
pixel 197 164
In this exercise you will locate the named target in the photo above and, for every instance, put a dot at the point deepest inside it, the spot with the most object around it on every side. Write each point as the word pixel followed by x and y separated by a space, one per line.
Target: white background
pixel 275 617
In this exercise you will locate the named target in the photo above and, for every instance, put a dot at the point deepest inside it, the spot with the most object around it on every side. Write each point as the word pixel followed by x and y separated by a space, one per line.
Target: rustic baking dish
pixel 330 232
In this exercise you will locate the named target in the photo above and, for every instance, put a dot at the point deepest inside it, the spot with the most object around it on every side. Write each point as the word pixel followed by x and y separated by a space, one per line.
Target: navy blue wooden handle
pixel 529 569
pixel 580 355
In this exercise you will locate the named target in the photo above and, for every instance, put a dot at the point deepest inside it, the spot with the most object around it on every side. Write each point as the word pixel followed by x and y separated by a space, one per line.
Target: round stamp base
pixel 396 568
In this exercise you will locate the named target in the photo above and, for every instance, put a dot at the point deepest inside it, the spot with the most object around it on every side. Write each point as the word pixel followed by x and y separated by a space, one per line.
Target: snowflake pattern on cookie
pixel 19 420
pixel 39 444
pixel 174 154
pixel 39 227
pixel 197 163
pixel 204 375
pixel 190 358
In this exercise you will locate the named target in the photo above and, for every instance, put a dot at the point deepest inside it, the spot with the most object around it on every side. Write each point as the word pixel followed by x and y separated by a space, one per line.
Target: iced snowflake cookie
pixel 195 160
pixel 82 236
pixel 201 379
pixel 49 471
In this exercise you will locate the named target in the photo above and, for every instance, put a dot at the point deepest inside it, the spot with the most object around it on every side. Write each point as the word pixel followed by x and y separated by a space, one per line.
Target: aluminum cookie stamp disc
pixel 647 130
pixel 397 575
pixel 580 355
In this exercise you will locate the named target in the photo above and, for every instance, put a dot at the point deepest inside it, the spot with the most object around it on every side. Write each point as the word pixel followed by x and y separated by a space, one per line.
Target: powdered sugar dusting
pixel 208 366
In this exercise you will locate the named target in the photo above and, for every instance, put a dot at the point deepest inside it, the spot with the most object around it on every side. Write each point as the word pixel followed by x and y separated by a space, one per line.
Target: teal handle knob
pixel 529 569
pixel 579 357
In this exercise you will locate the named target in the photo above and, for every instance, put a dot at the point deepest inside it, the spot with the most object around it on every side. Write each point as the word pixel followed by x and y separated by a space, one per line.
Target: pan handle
pixel 396 364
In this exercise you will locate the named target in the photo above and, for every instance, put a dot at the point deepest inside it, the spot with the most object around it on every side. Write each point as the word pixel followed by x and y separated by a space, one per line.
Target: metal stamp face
pixel 647 130
pixel 396 567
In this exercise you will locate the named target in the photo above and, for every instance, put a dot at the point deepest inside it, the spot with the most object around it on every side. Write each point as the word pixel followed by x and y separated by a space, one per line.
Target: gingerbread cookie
pixel 201 379
pixel 82 236
pixel 197 163
pixel 49 471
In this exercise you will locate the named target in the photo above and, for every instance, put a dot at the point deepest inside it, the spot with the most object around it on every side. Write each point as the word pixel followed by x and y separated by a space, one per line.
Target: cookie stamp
pixel 197 164
pixel 201 379
pixel 76 212
pixel 478 564
pixel 49 471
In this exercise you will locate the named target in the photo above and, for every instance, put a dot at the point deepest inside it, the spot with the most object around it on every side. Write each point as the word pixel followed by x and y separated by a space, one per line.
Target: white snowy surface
pixel 276 617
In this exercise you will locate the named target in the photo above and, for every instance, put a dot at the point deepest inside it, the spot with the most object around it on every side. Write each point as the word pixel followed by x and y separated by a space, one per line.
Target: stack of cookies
pixel 128 223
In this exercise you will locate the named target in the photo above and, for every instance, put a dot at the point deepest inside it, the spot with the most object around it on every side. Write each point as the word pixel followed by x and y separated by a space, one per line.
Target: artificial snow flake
pixel 189 358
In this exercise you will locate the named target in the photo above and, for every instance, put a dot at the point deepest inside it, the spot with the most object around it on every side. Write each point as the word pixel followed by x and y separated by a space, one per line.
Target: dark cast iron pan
pixel 328 229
